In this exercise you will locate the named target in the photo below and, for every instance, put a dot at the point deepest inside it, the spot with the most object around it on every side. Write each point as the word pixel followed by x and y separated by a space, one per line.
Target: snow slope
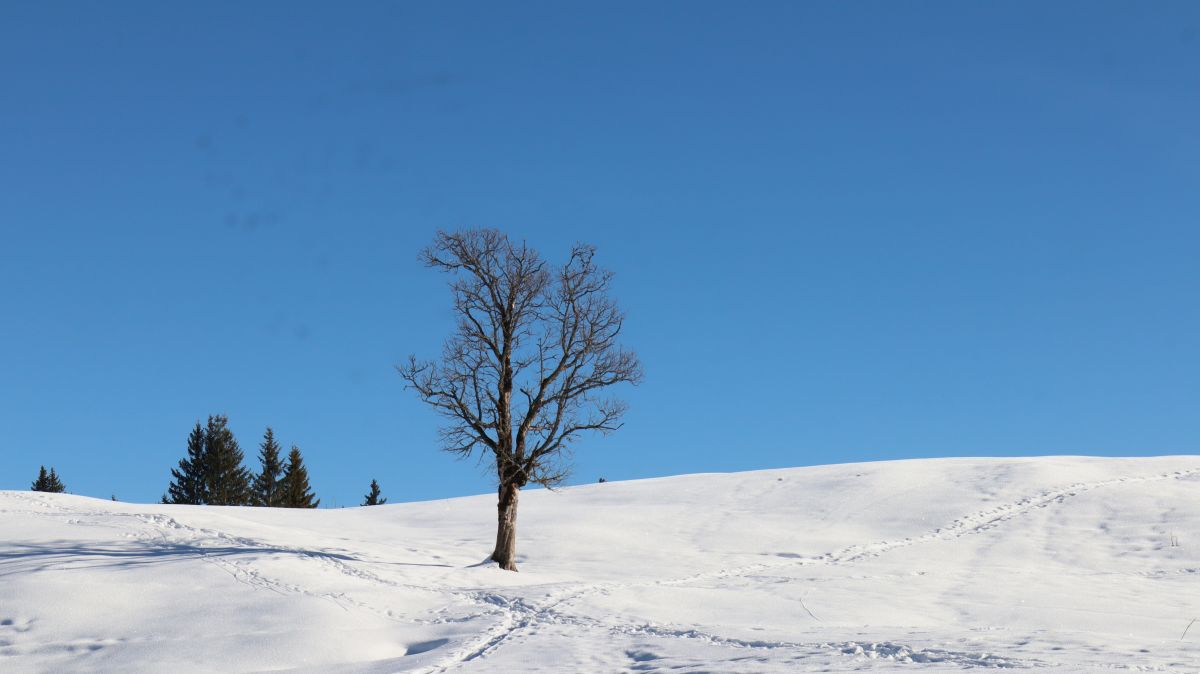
pixel 1061 564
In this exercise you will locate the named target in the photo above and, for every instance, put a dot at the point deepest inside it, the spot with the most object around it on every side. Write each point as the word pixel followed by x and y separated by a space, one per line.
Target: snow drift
pixel 1060 564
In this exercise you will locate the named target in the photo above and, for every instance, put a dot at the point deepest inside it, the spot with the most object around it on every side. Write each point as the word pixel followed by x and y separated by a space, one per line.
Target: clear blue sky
pixel 842 231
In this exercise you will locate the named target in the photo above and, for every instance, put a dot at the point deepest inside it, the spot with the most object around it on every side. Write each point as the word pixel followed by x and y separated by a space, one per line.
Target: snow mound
pixel 1055 563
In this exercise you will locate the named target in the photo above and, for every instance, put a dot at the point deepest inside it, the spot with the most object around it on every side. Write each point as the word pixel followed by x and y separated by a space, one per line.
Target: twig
pixel 819 620
pixel 1185 630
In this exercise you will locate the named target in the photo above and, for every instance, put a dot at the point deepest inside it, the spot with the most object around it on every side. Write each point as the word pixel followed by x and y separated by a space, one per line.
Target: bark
pixel 505 553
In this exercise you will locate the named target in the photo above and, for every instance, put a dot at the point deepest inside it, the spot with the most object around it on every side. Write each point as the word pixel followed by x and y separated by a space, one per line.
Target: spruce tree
pixel 373 497
pixel 40 483
pixel 296 491
pixel 188 482
pixel 226 480
pixel 267 486
pixel 53 484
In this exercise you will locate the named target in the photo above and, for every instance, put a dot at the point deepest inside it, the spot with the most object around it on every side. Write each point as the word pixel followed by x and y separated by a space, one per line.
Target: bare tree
pixel 548 333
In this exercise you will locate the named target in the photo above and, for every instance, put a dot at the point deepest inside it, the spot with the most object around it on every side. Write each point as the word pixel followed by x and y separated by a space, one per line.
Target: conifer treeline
pixel 212 472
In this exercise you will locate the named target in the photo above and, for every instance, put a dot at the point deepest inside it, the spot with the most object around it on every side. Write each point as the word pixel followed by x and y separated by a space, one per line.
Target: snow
pixel 1056 563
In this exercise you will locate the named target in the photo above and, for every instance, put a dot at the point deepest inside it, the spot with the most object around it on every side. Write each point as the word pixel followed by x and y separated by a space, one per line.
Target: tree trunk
pixel 506 528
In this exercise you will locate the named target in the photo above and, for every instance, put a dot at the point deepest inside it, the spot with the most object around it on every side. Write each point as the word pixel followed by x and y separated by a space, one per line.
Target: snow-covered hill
pixel 1064 564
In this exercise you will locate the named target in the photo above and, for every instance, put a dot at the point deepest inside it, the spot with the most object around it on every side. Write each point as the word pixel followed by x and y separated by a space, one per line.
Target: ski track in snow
pixel 967 525
pixel 515 616
pixel 521 615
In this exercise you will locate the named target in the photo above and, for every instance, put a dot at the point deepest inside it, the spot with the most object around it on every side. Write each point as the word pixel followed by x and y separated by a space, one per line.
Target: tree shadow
pixel 443 566
pixel 68 555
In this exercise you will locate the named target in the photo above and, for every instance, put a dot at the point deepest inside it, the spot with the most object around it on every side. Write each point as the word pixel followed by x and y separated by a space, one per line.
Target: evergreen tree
pixel 48 482
pixel 226 480
pixel 188 484
pixel 373 497
pixel 296 492
pixel 40 483
pixel 267 487
pixel 53 484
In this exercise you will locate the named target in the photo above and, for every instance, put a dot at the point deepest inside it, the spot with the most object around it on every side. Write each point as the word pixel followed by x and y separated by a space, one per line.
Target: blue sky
pixel 842 231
